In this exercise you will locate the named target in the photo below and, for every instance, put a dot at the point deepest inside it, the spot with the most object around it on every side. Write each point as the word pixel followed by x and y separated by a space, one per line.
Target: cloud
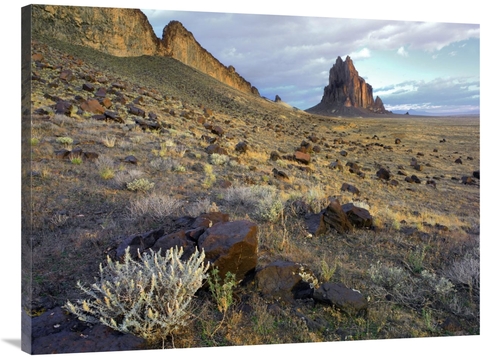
pixel 402 52
pixel 448 92
pixel 295 53
pixel 361 54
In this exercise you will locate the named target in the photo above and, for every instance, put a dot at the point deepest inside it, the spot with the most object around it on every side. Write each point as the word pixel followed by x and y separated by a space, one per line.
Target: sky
pixel 417 65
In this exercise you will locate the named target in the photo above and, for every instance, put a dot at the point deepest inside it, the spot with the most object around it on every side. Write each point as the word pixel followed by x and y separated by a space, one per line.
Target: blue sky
pixel 419 65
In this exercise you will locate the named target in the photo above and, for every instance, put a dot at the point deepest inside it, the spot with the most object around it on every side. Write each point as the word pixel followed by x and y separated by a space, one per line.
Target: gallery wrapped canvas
pixel 207 179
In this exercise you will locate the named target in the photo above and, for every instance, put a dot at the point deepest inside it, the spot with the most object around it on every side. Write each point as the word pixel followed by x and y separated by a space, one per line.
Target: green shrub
pixel 76 160
pixel 150 298
pixel 140 185
pixel 65 141
pixel 219 160
pixel 222 291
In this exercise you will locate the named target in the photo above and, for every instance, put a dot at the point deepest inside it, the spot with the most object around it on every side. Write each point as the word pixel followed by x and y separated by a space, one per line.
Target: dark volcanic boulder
pixel 178 239
pixel 281 280
pixel 383 174
pixel 139 242
pixel 335 217
pixel 231 246
pixel 55 332
pixel 359 217
pixel 349 188
pixel 345 299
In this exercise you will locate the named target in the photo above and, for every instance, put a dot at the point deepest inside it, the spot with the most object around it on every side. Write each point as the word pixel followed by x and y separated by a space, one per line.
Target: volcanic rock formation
pixel 347 93
pixel 128 33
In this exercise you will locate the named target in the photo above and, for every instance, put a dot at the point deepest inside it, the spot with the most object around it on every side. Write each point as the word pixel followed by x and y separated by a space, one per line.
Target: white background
pixel 479 11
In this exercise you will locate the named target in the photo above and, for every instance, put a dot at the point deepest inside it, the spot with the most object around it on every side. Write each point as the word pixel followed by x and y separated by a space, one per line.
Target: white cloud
pixel 403 52
pixel 361 54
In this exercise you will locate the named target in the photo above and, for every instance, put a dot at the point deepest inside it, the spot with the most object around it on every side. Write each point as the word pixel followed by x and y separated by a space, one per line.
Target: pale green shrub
pixel 150 298
pixel 140 185
pixel 65 141
pixel 219 160
pixel 263 202
pixel 154 206
pixel 413 292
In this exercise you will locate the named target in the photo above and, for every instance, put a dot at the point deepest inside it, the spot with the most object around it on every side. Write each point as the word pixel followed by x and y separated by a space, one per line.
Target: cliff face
pixel 180 44
pixel 347 92
pixel 118 32
pixel 127 33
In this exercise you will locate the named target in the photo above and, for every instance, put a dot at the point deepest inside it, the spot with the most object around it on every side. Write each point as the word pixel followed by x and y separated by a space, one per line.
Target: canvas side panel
pixel 26 215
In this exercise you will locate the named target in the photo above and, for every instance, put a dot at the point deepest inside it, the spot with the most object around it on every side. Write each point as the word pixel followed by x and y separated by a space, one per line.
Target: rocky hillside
pixel 127 33
pixel 347 93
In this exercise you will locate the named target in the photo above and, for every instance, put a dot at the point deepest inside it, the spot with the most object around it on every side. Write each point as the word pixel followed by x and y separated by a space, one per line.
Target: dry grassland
pixel 82 209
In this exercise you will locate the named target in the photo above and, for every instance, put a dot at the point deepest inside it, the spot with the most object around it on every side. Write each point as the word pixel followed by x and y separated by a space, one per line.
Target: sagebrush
pixel 149 298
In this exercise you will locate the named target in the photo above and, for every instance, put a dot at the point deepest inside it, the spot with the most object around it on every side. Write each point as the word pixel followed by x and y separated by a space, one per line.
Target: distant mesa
pixel 347 94
pixel 128 33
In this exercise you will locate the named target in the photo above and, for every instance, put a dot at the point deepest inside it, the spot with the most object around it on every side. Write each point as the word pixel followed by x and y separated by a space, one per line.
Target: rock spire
pixel 347 93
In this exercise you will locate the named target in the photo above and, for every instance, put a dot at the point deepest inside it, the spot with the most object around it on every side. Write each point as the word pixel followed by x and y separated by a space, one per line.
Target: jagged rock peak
pixel 347 92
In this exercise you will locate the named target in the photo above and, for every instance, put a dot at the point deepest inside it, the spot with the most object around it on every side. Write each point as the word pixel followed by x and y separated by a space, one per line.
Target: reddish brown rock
pixel 302 157
pixel 281 280
pixel 231 246
pixel 335 217
pixel 93 106
pixel 347 93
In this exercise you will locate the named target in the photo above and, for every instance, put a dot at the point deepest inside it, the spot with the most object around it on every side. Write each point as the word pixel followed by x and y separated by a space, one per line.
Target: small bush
pixel 263 202
pixel 413 292
pixel 105 167
pixel 109 141
pixel 140 185
pixel 210 177
pixel 155 206
pixel 65 141
pixel 218 160
pixel 222 291
pixel 150 298
pixel 76 160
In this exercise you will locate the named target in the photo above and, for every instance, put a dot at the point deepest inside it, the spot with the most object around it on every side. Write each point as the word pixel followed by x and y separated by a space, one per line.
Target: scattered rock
pixel 349 188
pixel 231 246
pixel 280 175
pixel 281 280
pixel 215 148
pixel 92 106
pixel 274 156
pixel 359 217
pixel 302 157
pixel 347 300
pixel 57 332
pixel 241 147
pixel 383 174
pixel 335 217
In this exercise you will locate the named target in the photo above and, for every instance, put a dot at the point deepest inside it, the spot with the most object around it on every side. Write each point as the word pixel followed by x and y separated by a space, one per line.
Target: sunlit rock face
pixel 347 91
pixel 128 33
